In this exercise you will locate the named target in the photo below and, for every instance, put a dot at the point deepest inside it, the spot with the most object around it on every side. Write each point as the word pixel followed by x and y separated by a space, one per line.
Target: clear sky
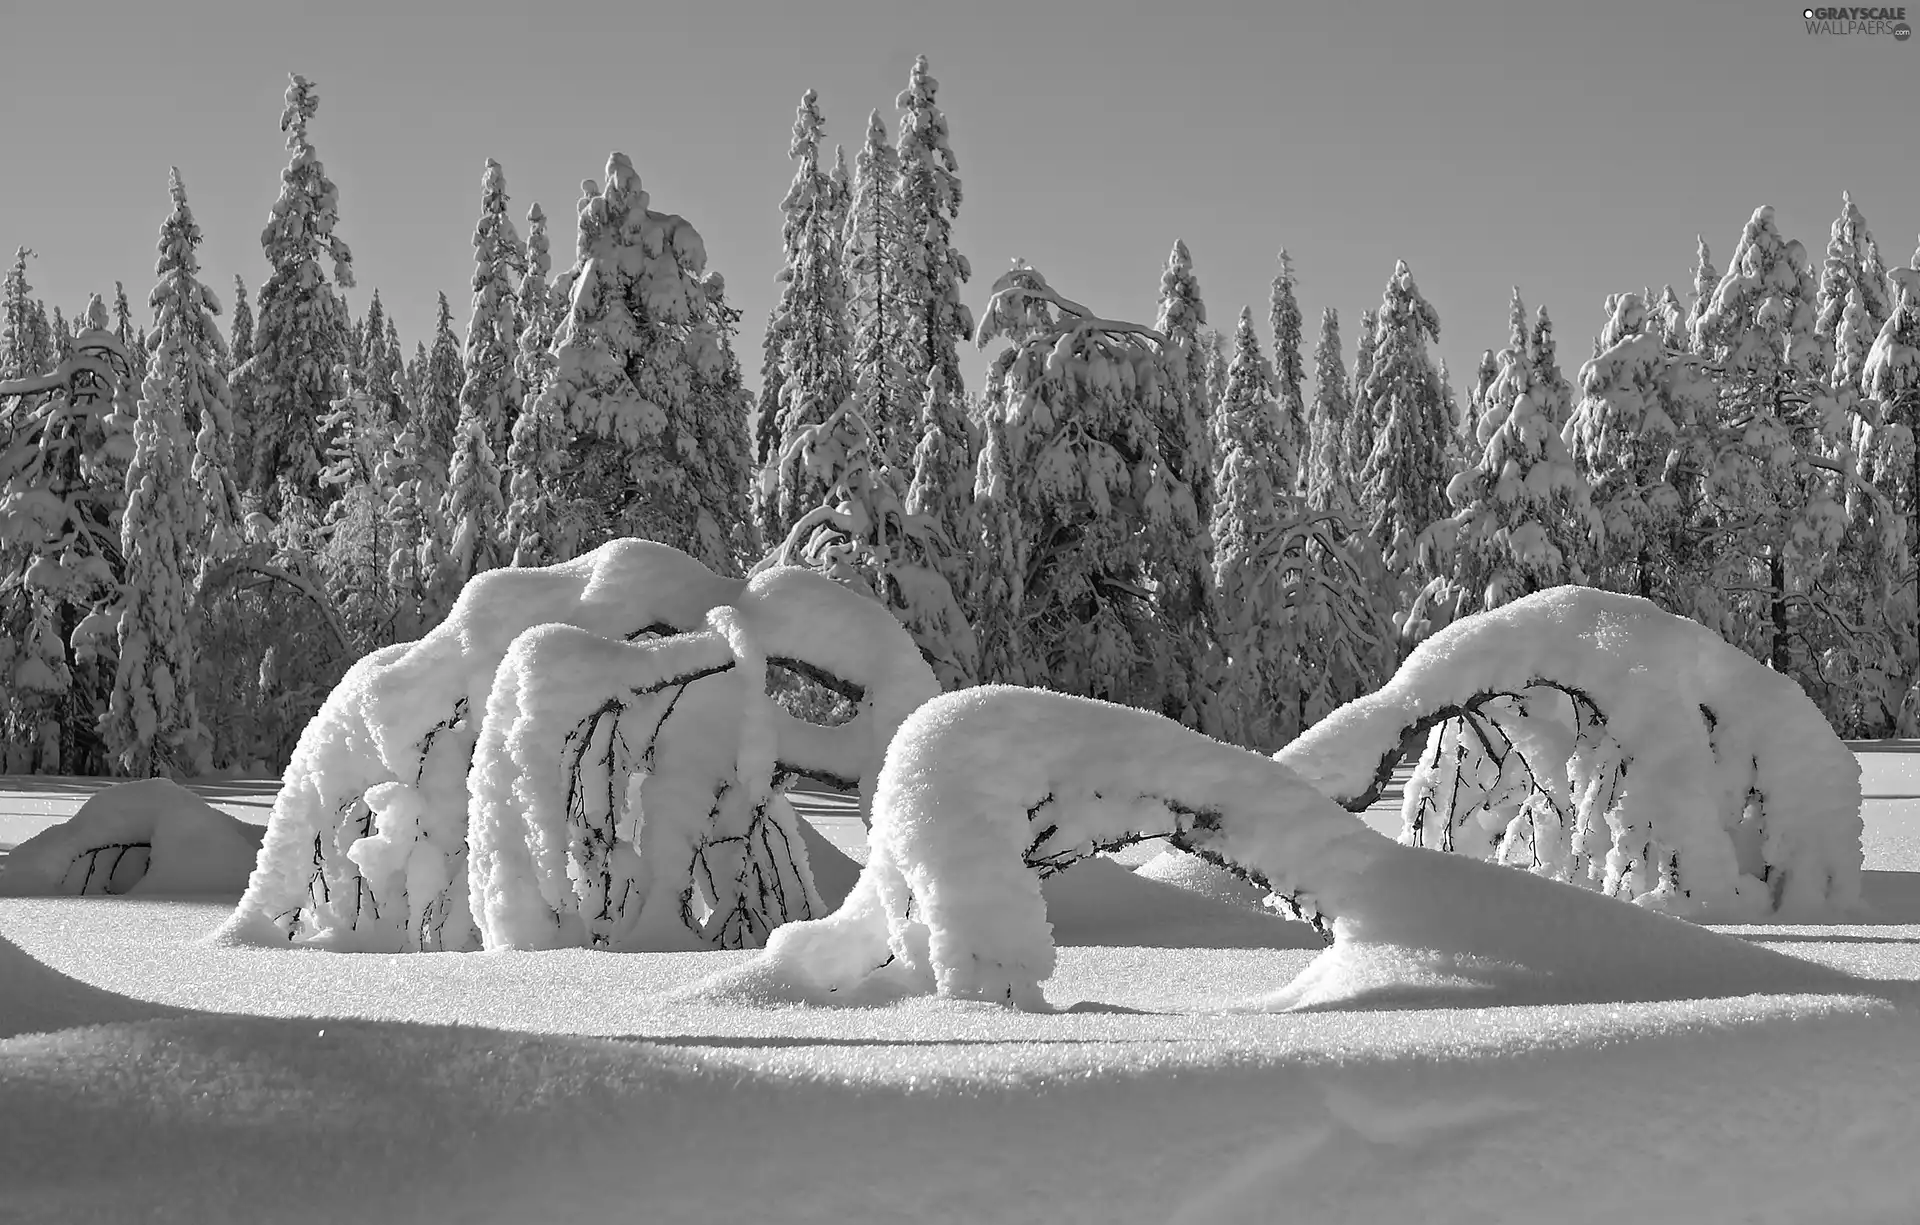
pixel 1572 149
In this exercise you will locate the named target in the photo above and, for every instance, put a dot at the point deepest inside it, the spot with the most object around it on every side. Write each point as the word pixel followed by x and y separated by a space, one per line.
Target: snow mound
pixel 1196 875
pixel 367 848
pixel 1694 780
pixel 1446 931
pixel 152 837
pixel 988 791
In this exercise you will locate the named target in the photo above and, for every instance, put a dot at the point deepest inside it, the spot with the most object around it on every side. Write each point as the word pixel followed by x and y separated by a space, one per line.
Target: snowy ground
pixel 144 1072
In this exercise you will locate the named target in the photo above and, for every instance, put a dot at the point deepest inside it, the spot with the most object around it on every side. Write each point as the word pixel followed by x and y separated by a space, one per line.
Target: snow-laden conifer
pixel 19 355
pixel 1852 265
pixel 189 355
pixel 473 509
pixel 637 332
pixel 535 454
pixel 293 376
pixel 1521 516
pixel 1403 482
pixel 1185 436
pixel 935 319
pixel 176 500
pixel 1077 503
pixel 1289 370
pixel 1329 485
pixel 810 325
pixel 437 384
pixel 875 306
pixel 1781 512
pixel 1706 279
pixel 1360 427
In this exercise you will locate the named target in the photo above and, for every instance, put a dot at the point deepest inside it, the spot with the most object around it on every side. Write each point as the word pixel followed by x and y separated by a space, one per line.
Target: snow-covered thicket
pixel 987 791
pixel 1700 782
pixel 629 795
pixel 366 848
pixel 148 838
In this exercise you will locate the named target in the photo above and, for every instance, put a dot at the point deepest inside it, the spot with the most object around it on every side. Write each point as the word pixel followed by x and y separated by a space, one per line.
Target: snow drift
pixel 150 837
pixel 1693 779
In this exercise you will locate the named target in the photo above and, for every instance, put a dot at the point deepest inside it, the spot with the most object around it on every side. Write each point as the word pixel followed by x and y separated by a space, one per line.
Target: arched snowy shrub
pixel 1689 778
pixel 383 766
pixel 987 791
pixel 630 795
pixel 148 838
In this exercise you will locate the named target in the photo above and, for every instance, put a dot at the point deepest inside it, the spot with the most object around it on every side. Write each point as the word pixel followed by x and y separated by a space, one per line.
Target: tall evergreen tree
pixel 437 397
pixel 1403 483
pixel 811 324
pixel 876 309
pixel 1185 437
pixel 1283 315
pixel 930 273
pixel 638 331
pixel 473 508
pixel 1360 427
pixel 535 453
pixel 293 376
pixel 1706 279
pixel 123 325
pixel 239 353
pixel 18 354
pixel 1778 517
pixel 152 725
pixel 1076 501
pixel 1852 269
pixel 1328 485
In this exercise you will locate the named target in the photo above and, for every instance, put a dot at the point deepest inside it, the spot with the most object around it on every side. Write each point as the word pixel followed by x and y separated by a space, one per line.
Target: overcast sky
pixel 1572 149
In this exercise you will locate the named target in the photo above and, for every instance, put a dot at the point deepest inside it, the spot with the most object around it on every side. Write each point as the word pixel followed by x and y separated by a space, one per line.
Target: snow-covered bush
pixel 1696 780
pixel 366 848
pixel 630 795
pixel 988 791
pixel 150 838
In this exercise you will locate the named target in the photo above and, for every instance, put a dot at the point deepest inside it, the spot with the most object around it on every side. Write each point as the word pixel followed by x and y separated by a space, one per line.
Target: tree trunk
pixel 1777 598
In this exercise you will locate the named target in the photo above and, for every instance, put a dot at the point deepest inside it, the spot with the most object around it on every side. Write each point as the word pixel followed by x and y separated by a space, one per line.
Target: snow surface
pixel 1717 782
pixel 149 838
pixel 148 1073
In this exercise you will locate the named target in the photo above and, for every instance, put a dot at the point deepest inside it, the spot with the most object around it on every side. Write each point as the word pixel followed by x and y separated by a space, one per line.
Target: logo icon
pixel 1902 32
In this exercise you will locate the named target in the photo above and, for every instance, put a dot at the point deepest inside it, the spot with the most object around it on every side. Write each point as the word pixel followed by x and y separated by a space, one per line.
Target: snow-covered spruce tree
pixel 473 509
pixel 1544 357
pixel 935 320
pixel 1522 519
pixel 1403 482
pixel 1706 279
pixel 409 526
pixel 1077 503
pixel 1289 370
pixel 1518 336
pixel 1891 378
pixel 875 308
pixel 1299 624
pixel 1852 268
pixel 20 353
pixel 810 326
pixel 1183 596
pixel 1642 403
pixel 1185 436
pixel 382 366
pixel 863 536
pixel 152 726
pixel 721 469
pixel 1329 484
pixel 293 375
pixel 637 333
pixel 534 454
pixel 123 325
pixel 62 491
pixel 187 341
pixel 239 353
pixel 1775 508
pixel 1254 488
pixel 1360 430
pixel 437 386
